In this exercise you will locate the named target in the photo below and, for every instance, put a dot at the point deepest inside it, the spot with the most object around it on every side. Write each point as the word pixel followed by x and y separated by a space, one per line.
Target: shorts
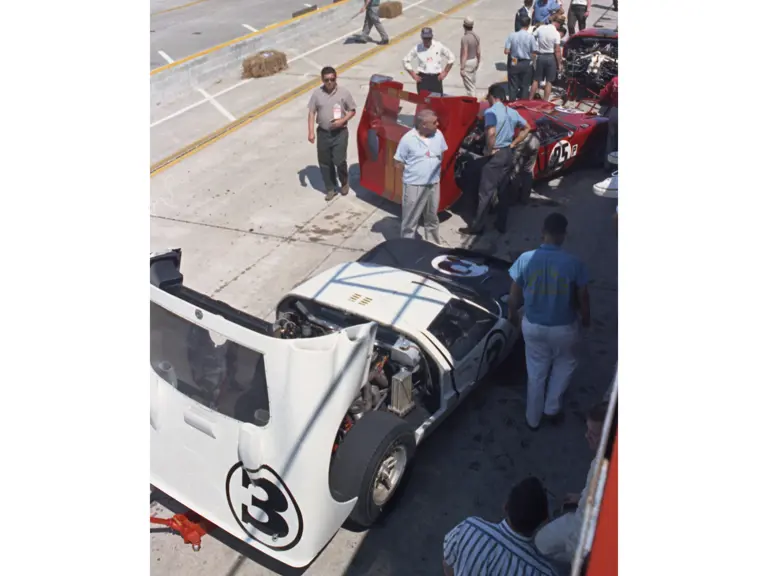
pixel 546 68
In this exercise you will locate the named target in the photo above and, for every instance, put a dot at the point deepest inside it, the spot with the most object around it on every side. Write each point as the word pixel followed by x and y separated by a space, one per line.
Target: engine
pixel 592 62
pixel 398 378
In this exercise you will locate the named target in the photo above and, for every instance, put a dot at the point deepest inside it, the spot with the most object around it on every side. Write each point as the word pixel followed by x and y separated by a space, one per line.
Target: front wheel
pixel 370 464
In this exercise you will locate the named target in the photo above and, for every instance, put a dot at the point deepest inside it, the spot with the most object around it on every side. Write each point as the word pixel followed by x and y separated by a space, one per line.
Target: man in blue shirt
pixel 500 141
pixel 543 10
pixel 519 49
pixel 553 286
pixel 419 155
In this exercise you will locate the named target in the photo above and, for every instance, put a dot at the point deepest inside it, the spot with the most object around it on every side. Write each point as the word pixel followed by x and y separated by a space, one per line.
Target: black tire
pixel 359 457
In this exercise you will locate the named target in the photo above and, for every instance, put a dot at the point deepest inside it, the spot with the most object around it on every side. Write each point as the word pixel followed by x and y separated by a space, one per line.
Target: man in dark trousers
pixel 371 9
pixel 578 12
pixel 500 140
pixel 519 49
pixel 525 10
pixel 434 61
pixel 332 107
pixel 521 185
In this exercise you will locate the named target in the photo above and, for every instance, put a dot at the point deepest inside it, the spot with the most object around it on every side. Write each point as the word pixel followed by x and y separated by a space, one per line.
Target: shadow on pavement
pixel 468 466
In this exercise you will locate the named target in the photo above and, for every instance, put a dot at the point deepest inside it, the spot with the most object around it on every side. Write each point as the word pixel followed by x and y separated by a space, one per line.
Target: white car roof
pixel 386 295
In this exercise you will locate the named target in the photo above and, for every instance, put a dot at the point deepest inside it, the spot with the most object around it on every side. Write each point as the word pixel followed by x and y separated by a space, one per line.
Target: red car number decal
pixel 561 153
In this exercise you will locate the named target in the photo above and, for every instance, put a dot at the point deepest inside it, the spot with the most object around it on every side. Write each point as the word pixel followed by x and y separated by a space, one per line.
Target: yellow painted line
pixel 274 26
pixel 177 8
pixel 257 113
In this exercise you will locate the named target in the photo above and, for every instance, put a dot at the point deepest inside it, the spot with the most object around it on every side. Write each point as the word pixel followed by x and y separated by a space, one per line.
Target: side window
pixel 460 326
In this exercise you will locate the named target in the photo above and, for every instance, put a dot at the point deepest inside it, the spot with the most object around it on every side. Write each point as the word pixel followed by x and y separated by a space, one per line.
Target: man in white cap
pixel 434 63
pixel 469 56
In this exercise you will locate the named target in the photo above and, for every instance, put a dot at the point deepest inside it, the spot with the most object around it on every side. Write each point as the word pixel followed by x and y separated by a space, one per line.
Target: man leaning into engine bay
pixel 500 143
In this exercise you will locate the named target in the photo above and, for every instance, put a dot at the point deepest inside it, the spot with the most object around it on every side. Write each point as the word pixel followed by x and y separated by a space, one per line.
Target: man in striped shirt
pixel 477 547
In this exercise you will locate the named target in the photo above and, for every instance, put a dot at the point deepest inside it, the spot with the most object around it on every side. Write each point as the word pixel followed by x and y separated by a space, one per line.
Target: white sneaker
pixel 608 188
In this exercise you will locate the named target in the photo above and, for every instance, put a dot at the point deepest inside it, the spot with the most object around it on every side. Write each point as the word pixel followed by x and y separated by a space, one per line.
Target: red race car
pixel 568 137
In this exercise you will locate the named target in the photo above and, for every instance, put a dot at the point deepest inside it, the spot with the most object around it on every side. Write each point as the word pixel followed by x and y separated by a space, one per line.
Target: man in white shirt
pixel 434 61
pixel 578 12
pixel 559 539
pixel 549 56
pixel 419 156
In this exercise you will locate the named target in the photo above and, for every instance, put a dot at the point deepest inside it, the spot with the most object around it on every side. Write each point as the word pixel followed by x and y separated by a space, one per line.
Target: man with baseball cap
pixel 470 56
pixel 434 61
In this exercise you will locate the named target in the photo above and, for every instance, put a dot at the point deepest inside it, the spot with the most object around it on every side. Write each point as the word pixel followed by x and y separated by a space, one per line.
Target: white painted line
pixel 165 57
pixel 251 28
pixel 216 105
pixel 300 56
pixel 429 10
pixel 313 64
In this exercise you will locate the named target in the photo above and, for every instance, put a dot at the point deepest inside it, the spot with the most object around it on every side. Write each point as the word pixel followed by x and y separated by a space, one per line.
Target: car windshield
pixel 208 368
pixel 460 326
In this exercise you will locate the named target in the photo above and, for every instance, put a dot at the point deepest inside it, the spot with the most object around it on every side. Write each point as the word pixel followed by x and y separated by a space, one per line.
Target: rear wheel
pixel 370 464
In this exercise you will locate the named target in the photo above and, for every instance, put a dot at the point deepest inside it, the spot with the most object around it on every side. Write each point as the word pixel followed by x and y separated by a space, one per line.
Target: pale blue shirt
pixel 506 120
pixel 521 45
pixel 422 157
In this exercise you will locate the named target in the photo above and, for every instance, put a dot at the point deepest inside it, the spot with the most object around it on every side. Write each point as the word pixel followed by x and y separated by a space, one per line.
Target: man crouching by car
pixel 500 142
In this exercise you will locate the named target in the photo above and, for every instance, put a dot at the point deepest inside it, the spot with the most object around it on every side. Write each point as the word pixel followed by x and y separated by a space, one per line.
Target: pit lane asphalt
pixel 179 28
pixel 249 213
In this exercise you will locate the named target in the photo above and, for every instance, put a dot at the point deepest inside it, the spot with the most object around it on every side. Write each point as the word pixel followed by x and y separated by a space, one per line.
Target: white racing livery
pixel 280 432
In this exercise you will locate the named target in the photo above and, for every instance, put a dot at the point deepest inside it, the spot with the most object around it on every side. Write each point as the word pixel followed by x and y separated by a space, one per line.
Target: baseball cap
pixel 468 21
pixel 426 32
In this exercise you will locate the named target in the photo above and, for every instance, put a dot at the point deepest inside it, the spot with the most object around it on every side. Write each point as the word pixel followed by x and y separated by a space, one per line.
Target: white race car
pixel 279 433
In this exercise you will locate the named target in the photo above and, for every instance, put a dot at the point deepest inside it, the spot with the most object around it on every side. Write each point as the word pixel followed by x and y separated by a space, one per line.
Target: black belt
pixel 426 74
pixel 521 59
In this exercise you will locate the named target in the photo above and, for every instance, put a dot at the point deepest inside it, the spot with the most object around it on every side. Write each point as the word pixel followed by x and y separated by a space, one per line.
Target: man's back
pixel 471 42
pixel 549 278
pixel 477 547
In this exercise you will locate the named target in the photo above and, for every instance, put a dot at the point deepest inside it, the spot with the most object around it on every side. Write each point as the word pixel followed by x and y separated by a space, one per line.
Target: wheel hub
pixel 389 475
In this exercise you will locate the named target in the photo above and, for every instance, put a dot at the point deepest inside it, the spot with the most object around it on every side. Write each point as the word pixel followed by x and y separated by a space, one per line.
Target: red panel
pixel 604 559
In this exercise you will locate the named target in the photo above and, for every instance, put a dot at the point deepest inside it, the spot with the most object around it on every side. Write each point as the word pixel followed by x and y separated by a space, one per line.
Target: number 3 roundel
pixel 264 507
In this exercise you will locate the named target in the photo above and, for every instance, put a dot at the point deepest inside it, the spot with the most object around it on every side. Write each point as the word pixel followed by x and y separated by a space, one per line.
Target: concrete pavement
pixel 179 28
pixel 249 212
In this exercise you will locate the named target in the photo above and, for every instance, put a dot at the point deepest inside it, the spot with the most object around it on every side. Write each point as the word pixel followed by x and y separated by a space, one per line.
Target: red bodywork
pixel 566 136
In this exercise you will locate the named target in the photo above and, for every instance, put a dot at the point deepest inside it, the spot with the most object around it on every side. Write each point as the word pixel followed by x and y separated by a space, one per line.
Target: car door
pixel 465 329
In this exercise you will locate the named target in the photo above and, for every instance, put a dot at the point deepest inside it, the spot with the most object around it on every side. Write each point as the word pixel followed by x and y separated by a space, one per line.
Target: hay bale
pixel 264 63
pixel 390 9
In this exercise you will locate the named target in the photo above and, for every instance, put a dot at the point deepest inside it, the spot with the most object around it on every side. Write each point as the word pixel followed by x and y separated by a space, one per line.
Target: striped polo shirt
pixel 476 547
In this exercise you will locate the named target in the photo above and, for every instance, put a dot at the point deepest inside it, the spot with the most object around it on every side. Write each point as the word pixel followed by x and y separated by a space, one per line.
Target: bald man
pixel 419 156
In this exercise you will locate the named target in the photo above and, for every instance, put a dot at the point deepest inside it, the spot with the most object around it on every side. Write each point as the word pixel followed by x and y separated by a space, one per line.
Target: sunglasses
pixel 326 80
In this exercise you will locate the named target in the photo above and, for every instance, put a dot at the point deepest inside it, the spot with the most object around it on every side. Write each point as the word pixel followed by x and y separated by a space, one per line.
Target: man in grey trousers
pixel 371 9
pixel 419 157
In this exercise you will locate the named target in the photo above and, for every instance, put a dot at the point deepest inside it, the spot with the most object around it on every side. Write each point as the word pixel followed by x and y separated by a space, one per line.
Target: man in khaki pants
pixel 470 56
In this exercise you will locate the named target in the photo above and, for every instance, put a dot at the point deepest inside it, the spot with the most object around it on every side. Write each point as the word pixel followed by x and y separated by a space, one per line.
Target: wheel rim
pixel 389 474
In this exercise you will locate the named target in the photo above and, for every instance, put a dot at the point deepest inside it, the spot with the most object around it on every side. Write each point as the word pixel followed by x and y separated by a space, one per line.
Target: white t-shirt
pixel 579 2
pixel 547 37
pixel 430 60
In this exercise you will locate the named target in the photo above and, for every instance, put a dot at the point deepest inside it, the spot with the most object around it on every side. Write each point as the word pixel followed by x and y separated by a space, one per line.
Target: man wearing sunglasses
pixel 332 107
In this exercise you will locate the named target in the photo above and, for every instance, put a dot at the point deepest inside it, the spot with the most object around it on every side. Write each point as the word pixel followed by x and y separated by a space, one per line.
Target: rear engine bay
pixel 592 62
pixel 401 378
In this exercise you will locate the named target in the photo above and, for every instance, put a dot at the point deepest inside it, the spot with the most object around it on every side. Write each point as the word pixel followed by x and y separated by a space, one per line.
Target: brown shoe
pixel 345 189
pixel 330 195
